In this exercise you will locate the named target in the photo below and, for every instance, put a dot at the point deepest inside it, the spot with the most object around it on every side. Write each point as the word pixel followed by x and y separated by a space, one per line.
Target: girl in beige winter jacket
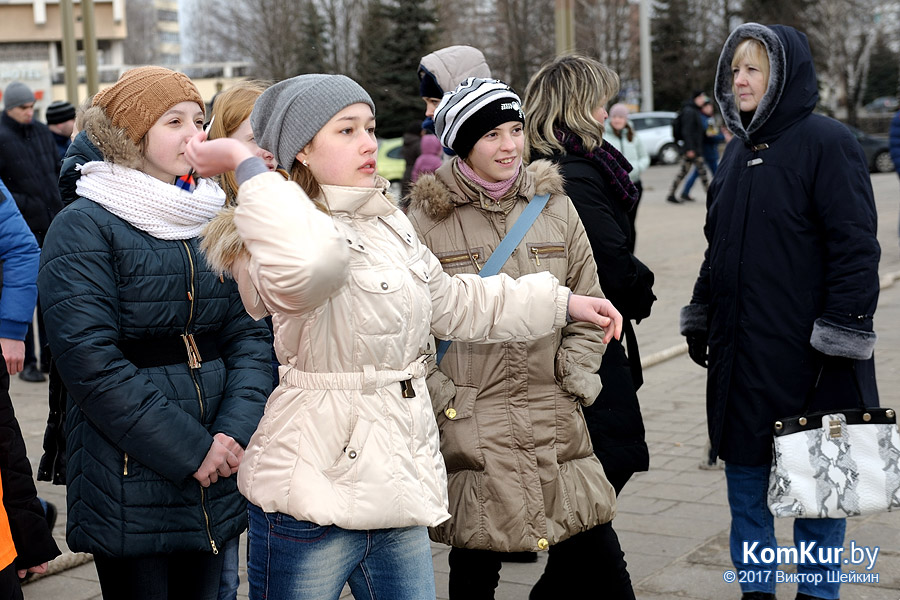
pixel 522 472
pixel 344 471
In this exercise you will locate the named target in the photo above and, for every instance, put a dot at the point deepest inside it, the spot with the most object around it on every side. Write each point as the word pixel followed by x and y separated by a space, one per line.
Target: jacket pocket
pixel 379 292
pixel 538 251
pixel 473 258
pixel 352 452
pixel 460 441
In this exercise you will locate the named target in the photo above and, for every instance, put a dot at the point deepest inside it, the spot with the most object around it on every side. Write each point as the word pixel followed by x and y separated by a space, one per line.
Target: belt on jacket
pixel 191 348
pixel 367 381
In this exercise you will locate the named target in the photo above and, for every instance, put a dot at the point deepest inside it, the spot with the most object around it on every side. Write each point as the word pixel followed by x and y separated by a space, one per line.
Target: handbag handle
pixel 812 392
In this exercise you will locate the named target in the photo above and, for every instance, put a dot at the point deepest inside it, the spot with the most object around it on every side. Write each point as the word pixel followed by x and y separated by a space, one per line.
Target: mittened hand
pixel 697 349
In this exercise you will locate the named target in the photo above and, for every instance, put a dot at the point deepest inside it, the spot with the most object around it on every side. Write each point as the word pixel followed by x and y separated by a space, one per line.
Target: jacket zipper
pixel 538 250
pixel 212 542
pixel 447 260
pixel 187 334
pixel 125 471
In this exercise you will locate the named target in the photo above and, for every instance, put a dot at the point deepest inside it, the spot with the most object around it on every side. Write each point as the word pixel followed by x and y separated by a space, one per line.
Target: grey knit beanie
pixel 287 116
pixel 17 94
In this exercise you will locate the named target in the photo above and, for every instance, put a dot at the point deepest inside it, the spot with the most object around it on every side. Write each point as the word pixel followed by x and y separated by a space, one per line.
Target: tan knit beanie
pixel 141 96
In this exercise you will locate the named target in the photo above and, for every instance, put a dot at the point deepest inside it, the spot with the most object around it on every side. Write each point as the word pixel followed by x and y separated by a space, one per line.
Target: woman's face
pixel 244 134
pixel 600 113
pixel 166 140
pixel 343 151
pixel 618 122
pixel 750 84
pixel 497 155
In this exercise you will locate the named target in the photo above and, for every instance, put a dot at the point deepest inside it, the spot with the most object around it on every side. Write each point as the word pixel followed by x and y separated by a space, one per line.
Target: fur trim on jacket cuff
pixel 694 319
pixel 835 340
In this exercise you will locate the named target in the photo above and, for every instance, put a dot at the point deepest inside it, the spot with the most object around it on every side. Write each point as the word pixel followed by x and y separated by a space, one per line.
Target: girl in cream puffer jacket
pixel 348 438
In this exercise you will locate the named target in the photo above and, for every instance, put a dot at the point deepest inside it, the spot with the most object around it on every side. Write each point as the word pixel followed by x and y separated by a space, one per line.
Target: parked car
pixel 883 104
pixel 655 131
pixel 390 162
pixel 877 150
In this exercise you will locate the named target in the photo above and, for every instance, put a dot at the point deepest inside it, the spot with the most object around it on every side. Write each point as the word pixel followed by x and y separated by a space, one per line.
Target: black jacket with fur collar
pixel 789 282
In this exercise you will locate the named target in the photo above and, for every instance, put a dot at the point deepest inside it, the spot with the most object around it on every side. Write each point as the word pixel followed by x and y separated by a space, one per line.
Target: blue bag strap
pixel 504 250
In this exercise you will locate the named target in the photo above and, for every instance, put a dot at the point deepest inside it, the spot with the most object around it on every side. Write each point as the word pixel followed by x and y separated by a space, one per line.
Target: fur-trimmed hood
pixel 112 142
pixel 438 194
pixel 221 242
pixel 792 92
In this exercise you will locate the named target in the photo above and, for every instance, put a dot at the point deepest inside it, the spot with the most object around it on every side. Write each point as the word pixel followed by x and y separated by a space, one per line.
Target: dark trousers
pixel 474 574
pixel 591 560
pixel 10 589
pixel 42 354
pixel 176 576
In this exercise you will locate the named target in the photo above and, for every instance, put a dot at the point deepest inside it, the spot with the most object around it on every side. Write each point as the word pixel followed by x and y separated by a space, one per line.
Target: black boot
pixel 802 596
pixel 757 596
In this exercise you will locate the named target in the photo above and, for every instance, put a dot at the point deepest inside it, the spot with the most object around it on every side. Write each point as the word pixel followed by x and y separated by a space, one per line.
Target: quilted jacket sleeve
pixel 77 287
pixel 581 349
pixel 470 308
pixel 298 259
pixel 19 254
pixel 246 348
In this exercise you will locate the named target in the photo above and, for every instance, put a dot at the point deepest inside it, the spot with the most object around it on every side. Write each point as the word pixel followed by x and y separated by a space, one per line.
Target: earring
pixel 304 163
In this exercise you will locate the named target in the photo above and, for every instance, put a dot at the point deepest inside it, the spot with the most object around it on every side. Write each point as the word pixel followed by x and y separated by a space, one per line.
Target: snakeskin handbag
pixel 835 464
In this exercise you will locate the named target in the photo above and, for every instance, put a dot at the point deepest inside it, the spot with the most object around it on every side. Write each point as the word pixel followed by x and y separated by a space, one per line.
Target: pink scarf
pixel 494 190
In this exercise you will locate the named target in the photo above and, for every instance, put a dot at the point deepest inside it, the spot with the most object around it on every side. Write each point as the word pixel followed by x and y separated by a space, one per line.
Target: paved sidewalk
pixel 673 520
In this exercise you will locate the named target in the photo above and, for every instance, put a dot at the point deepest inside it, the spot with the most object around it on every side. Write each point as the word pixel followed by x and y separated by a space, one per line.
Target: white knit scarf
pixel 154 206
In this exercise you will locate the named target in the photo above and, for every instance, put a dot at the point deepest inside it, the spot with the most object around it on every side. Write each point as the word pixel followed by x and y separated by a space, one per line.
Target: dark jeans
pixel 10 589
pixel 32 355
pixel 176 576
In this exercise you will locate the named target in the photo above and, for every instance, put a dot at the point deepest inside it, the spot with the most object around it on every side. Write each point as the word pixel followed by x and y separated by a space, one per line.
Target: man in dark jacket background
pixel 29 165
pixel 693 133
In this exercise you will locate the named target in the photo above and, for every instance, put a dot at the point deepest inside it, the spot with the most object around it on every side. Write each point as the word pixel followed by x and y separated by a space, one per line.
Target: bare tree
pixel 140 47
pixel 282 38
pixel 343 20
pixel 608 31
pixel 526 28
pixel 842 35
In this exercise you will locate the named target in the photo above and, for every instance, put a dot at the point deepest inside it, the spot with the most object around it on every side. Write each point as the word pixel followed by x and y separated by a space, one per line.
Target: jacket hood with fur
pixel 792 92
pixel 436 195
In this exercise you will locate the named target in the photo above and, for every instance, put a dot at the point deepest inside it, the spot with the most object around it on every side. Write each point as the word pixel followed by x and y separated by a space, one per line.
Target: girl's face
pixel 244 134
pixel 498 154
pixel 166 140
pixel 750 84
pixel 343 151
pixel 618 122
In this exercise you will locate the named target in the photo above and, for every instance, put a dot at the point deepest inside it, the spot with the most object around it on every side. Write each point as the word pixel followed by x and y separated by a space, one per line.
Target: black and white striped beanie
pixel 475 107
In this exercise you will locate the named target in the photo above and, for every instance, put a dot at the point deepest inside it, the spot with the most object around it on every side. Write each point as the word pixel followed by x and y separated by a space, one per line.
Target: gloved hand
pixel 697 348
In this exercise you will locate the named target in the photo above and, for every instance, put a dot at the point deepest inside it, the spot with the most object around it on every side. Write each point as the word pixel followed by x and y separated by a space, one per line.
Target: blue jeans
pixel 751 522
pixel 231 579
pixel 299 560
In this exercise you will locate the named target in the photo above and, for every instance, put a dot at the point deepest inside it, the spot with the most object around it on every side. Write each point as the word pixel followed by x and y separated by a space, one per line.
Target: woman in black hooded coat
pixel 789 282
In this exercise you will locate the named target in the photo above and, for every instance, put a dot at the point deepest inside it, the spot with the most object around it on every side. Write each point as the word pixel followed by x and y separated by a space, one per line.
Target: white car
pixel 655 131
